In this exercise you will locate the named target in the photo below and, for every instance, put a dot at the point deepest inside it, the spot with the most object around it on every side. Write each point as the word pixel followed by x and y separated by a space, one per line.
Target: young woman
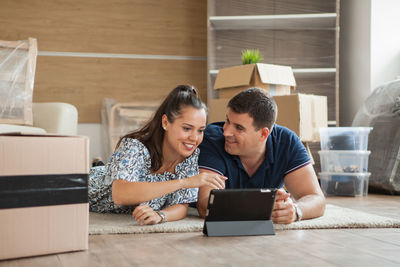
pixel 153 173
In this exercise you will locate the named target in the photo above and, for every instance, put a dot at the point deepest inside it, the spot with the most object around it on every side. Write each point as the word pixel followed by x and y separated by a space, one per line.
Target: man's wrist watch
pixel 299 213
pixel 162 215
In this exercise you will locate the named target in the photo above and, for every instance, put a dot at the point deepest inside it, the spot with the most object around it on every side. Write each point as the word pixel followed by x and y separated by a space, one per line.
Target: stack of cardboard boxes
pixel 302 113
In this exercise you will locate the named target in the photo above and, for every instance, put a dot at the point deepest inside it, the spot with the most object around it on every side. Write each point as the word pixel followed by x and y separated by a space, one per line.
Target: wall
pixel 385 44
pixel 369 51
pixel 96 139
pixel 354 59
pixel 121 49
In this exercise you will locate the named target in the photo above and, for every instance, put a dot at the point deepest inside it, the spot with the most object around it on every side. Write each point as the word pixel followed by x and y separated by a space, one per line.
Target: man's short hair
pixel 258 104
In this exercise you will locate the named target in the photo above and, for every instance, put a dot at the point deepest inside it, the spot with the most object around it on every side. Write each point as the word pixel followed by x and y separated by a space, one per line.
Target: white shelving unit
pixel 303 34
pixel 303 73
pixel 323 21
pixel 299 33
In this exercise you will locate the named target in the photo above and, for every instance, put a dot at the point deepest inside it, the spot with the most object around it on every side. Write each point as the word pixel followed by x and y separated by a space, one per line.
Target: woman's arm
pixel 144 214
pixel 131 193
pixel 175 212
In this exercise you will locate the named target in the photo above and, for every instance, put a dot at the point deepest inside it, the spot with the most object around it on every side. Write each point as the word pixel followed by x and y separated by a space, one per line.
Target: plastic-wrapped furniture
pixel 381 110
pixel 118 119
pixel 54 118
pixel 17 73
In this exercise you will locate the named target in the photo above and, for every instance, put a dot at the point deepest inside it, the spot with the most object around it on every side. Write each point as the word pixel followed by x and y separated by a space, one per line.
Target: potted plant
pixel 251 56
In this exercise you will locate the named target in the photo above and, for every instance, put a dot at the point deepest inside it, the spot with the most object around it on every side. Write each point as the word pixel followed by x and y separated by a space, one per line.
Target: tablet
pixel 240 204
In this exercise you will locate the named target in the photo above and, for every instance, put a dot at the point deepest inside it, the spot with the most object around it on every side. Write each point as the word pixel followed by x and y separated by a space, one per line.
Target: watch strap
pixel 299 213
pixel 162 215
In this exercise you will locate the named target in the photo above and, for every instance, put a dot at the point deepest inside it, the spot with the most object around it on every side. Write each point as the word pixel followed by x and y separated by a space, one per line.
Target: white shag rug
pixel 334 217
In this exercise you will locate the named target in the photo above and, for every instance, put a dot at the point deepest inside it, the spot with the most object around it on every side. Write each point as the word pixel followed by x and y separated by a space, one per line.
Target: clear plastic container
pixel 344 160
pixel 344 138
pixel 344 184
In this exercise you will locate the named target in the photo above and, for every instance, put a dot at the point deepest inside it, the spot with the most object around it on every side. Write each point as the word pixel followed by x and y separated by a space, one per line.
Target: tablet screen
pixel 240 204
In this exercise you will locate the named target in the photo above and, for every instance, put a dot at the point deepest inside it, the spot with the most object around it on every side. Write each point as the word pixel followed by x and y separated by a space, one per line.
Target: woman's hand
pixel 211 179
pixel 144 215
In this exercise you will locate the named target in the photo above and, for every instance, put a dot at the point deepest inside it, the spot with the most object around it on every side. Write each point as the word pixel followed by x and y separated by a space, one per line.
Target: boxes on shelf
pixel 344 160
pixel 301 113
pixel 43 194
pixel 344 138
pixel 304 114
pixel 344 184
pixel 276 79
pixel 217 109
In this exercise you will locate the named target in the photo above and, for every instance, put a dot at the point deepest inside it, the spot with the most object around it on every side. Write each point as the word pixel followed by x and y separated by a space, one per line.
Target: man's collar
pixel 269 154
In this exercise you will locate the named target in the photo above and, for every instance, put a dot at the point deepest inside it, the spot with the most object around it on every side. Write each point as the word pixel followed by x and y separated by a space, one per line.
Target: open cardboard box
pixel 43 194
pixel 276 79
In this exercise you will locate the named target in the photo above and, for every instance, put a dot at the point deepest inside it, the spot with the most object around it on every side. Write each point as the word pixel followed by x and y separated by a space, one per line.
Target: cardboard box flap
pixel 276 74
pixel 234 76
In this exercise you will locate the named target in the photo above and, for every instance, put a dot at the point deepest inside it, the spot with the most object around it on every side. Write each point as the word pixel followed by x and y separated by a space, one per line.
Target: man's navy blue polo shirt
pixel 284 154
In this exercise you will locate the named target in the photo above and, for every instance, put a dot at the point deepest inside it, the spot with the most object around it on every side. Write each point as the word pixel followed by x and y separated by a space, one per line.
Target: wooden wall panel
pixel 167 27
pixel 84 82
pixel 100 27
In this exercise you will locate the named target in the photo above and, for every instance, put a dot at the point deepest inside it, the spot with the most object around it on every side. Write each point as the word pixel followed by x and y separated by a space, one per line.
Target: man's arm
pixel 204 193
pixel 303 185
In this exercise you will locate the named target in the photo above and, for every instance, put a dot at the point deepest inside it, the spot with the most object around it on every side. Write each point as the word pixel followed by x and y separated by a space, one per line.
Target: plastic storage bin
pixel 344 184
pixel 344 138
pixel 348 161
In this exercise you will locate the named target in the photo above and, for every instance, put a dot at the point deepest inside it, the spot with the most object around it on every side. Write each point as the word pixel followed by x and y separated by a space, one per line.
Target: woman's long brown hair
pixel 152 133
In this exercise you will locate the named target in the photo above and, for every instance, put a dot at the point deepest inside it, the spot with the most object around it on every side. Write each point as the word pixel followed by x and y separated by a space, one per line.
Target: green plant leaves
pixel 251 56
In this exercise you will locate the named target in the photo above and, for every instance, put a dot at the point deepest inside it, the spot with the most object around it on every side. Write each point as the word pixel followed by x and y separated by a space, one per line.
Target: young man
pixel 254 152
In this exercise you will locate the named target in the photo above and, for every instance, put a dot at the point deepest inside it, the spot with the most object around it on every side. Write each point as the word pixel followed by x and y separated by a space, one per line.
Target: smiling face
pixel 241 137
pixel 185 134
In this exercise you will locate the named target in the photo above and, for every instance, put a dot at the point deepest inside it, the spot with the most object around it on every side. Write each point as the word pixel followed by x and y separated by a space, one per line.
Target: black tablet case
pixel 235 212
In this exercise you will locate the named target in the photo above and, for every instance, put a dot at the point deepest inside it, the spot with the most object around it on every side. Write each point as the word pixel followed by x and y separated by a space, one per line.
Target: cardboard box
pixel 305 144
pixel 276 79
pixel 43 194
pixel 303 114
pixel 217 109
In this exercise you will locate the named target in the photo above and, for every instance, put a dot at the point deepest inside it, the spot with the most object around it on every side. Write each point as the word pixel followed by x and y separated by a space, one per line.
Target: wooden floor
pixel 335 247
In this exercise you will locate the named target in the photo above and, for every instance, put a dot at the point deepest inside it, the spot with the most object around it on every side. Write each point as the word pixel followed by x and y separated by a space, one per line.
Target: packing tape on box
pixel 43 190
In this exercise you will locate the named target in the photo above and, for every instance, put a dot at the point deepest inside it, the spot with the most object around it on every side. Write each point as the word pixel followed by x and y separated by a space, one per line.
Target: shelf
pixel 314 72
pixel 303 73
pixel 321 21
